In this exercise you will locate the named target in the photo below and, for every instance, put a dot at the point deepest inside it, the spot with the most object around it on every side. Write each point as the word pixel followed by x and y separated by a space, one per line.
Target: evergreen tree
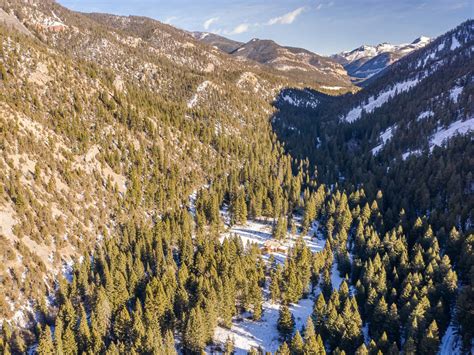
pixel 195 333
pixel 297 344
pixel 45 344
pixel 283 349
pixel 229 346
pixel 430 342
pixel 286 322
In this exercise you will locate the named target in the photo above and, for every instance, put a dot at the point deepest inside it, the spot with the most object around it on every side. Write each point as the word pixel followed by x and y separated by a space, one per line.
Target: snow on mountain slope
pixel 377 101
pixel 367 60
pixel 459 127
pixel 199 92
pixel 418 66
pixel 385 137
pixel 308 100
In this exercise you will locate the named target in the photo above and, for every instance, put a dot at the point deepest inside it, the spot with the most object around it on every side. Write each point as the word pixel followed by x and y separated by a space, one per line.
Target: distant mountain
pixel 367 61
pixel 295 63
pixel 224 44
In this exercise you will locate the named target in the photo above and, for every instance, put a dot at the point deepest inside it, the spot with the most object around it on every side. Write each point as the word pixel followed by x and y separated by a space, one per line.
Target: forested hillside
pixel 147 206
pixel 406 137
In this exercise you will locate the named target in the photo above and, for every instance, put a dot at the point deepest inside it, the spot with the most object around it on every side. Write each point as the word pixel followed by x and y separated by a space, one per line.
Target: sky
pixel 322 26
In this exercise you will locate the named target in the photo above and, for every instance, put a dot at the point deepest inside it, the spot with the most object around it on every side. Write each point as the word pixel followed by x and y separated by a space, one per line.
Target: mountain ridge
pixel 369 60
pixel 296 63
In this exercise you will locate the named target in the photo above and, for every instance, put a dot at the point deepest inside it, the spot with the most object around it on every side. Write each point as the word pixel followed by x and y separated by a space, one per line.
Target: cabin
pixel 273 246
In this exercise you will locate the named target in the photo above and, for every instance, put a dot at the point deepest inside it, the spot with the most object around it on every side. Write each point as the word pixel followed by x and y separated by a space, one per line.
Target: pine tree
pixel 283 349
pixel 45 344
pixel 362 350
pixel 229 346
pixel 286 322
pixel 138 328
pixel 169 344
pixel 280 229
pixel 83 332
pixel 430 342
pixel 297 344
pixel 195 333
pixel 122 325
pixel 309 214
pixel 409 347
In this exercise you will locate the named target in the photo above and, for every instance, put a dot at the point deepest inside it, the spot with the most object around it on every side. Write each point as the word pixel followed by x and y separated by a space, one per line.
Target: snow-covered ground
pixel 247 333
pixel 451 342
pixel 454 43
pixel 309 100
pixel 382 98
pixel 259 232
pixel 335 88
pixel 264 333
pixel 425 114
pixel 455 92
pixel 410 153
pixel 455 128
pixel 203 86
pixel 385 137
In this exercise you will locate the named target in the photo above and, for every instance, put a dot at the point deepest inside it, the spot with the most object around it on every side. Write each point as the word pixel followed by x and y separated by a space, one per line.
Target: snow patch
pixel 410 153
pixel 335 88
pixel 424 115
pixel 451 342
pixel 456 128
pixel 455 43
pixel 385 137
pixel 382 98
pixel 455 92
pixel 68 270
pixel 194 100
pixel 309 102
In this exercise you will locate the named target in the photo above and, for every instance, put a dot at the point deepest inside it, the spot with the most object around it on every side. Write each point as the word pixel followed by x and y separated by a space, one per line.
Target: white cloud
pixel 209 22
pixel 170 19
pixel 242 28
pixel 324 5
pixel 286 19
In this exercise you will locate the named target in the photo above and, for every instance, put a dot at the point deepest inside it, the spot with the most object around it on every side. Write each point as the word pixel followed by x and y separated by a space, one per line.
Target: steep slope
pixel 367 61
pixel 90 106
pixel 396 132
pixel 297 64
pixel 406 137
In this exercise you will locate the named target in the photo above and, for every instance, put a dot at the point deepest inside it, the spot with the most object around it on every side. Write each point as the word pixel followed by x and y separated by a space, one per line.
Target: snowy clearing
pixel 385 136
pixel 456 128
pixel 454 43
pixel 410 153
pixel 247 333
pixel 424 115
pixel 455 92
pixel 194 100
pixel 382 98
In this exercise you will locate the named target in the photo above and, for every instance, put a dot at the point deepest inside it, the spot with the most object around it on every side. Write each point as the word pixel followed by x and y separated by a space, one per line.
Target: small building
pixel 273 246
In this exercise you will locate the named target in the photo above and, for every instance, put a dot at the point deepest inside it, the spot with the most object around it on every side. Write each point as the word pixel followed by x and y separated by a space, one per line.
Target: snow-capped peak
pixel 422 39
pixel 370 51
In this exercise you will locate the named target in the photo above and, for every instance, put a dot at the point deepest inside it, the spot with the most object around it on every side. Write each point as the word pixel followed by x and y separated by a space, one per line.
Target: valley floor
pixel 263 334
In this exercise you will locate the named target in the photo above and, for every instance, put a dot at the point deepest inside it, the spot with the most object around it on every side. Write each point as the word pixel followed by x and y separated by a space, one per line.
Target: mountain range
pixel 360 64
pixel 367 61
pixel 298 64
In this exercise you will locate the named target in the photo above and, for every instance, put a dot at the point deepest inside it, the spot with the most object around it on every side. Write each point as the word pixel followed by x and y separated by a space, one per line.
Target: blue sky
pixel 323 26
